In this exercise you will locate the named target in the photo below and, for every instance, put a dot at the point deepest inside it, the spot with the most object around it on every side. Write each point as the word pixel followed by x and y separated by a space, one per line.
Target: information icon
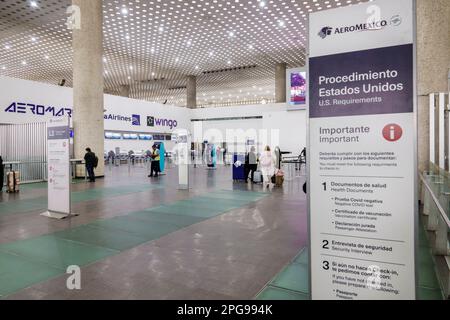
pixel 392 132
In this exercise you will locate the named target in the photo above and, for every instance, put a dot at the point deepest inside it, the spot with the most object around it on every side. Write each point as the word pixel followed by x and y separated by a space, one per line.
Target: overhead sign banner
pixel 363 155
pixel 58 135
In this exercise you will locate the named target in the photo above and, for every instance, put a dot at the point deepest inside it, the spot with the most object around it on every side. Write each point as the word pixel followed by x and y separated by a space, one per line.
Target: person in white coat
pixel 267 163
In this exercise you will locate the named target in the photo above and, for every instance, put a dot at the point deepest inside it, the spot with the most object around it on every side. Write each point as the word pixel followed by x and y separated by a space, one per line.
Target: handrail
pixel 436 202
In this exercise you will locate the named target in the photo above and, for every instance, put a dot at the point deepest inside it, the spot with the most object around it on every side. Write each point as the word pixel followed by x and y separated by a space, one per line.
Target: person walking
pixel 91 162
pixel 267 162
pixel 155 161
pixel 251 164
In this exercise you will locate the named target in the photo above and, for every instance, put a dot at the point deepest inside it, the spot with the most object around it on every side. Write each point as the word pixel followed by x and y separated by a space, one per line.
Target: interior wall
pixel 269 124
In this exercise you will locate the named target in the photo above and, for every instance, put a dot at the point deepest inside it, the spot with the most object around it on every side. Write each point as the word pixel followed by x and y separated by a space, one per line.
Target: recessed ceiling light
pixel 7 47
pixel 231 33
pixel 229 62
pixel 124 11
pixel 196 67
pixel 131 67
pixel 47 57
pixel 33 4
pixel 153 74
pixel 281 23
pixel 161 29
pixel 262 4
pixel 33 39
pixel 3 68
pixel 24 62
pixel 104 59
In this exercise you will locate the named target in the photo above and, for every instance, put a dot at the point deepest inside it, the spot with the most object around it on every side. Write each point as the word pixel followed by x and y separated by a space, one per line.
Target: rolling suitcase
pixel 257 177
pixel 12 182
pixel 238 167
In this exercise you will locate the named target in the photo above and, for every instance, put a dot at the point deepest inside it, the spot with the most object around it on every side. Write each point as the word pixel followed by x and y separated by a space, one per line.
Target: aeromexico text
pixel 388 85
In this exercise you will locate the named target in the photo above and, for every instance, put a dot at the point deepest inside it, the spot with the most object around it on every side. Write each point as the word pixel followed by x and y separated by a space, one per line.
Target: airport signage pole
pixel 58 168
pixel 362 152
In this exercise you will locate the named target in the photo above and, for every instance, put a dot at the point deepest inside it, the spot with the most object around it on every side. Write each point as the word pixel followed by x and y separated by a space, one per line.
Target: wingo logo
pixel 152 122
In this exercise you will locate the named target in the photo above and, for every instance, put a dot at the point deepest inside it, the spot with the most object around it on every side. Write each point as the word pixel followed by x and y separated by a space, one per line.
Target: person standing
pixel 155 161
pixel 250 164
pixel 2 170
pixel 91 162
pixel 267 162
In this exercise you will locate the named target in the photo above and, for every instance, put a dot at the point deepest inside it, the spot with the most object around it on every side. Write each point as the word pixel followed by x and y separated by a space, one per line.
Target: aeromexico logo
pixel 157 122
pixel 366 26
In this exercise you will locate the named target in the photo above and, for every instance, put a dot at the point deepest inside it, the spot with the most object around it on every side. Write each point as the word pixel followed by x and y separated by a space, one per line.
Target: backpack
pixel 95 161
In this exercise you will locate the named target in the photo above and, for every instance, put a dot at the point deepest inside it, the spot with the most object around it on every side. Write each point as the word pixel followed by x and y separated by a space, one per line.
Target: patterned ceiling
pixel 232 46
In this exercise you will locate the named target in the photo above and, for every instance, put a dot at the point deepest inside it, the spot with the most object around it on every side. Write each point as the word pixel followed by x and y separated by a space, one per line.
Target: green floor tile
pixel 10 207
pixel 425 256
pixel 271 293
pixel 57 252
pixel 40 203
pixel 294 277
pixel 149 230
pixel 175 219
pixel 427 276
pixel 112 239
pixel 17 272
pixel 208 204
pixel 225 203
pixel 233 196
pixel 429 294
pixel 185 210
pixel 302 257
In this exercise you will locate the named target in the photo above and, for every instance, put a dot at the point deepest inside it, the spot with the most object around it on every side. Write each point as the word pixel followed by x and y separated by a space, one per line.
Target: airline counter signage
pixel 58 150
pixel 362 160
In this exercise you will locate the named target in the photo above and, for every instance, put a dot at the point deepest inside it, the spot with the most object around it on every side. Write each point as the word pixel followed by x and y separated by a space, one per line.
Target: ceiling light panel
pixel 153 45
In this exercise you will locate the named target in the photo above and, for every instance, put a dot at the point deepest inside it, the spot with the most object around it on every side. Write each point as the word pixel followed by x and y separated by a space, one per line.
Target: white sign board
pixel 183 158
pixel 362 152
pixel 58 165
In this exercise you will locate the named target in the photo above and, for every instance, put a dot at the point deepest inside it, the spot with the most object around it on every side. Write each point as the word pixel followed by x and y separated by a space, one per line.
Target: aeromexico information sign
pixel 362 159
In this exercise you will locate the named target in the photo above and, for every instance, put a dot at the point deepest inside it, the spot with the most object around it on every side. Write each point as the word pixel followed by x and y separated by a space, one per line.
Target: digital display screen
pixel 127 136
pixel 111 135
pixel 298 88
pixel 145 137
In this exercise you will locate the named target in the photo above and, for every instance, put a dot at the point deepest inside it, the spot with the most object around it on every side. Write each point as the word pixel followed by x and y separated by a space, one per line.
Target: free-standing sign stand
pixel 183 158
pixel 362 176
pixel 58 168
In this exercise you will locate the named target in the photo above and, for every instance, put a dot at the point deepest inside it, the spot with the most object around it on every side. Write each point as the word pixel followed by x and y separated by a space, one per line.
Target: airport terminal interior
pixel 224 149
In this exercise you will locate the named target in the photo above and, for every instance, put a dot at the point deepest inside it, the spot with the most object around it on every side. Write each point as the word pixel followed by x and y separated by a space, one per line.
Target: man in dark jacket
pixel 2 169
pixel 90 161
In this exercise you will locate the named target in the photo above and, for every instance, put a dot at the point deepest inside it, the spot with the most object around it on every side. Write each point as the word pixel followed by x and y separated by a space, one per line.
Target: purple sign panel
pixel 376 81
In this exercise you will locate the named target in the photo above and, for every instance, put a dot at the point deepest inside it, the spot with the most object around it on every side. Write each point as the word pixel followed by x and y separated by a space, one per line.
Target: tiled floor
pixel 429 288
pixel 138 238
pixel 292 282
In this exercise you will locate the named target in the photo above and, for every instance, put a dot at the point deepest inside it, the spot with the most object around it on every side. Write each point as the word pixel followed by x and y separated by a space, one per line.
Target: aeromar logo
pixel 155 122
